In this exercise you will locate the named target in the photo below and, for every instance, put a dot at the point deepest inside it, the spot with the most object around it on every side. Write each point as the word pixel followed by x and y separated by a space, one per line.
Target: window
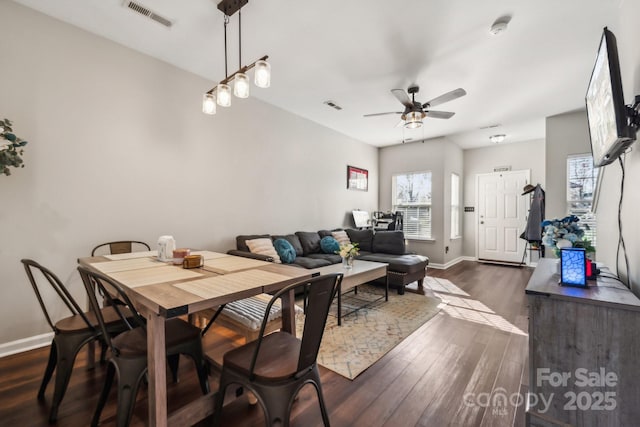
pixel 412 196
pixel 455 206
pixel 581 183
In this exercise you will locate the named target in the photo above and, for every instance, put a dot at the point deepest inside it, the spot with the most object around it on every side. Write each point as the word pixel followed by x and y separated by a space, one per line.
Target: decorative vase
pixel 347 262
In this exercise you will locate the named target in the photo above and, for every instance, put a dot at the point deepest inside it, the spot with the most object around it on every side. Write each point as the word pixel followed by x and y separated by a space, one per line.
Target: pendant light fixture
pixel 221 93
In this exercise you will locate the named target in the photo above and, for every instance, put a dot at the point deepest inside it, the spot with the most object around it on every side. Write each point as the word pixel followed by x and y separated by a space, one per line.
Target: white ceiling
pixel 354 52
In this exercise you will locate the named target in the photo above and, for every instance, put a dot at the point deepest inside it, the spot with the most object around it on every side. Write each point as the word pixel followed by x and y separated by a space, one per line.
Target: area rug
pixel 368 334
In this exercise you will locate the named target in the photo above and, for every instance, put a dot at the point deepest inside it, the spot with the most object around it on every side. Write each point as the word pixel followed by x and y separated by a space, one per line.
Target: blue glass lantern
pixel 573 267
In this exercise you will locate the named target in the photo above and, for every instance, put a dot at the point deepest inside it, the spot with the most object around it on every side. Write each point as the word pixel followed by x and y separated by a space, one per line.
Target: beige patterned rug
pixel 368 334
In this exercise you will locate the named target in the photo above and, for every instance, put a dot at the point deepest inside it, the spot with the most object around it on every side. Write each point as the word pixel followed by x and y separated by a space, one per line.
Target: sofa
pixel 381 246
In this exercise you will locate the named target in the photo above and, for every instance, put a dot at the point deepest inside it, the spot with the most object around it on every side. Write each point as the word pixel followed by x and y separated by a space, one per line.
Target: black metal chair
pixel 70 333
pixel 276 366
pixel 120 247
pixel 129 349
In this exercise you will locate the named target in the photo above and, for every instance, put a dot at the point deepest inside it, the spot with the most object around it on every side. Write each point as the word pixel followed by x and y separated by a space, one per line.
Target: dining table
pixel 162 290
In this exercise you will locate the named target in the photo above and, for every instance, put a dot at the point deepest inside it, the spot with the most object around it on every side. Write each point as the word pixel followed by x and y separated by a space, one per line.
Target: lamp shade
pixel 263 74
pixel 209 103
pixel 223 95
pixel 241 85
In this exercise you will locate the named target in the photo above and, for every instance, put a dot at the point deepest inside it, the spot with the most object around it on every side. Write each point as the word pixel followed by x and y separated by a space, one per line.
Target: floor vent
pixel 145 11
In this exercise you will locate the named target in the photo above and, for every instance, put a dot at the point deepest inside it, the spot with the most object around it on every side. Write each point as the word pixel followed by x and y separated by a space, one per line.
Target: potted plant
pixel 10 148
pixel 348 253
pixel 565 233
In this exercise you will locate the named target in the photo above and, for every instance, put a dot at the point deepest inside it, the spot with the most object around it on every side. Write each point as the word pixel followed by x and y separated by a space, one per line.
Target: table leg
pixel 339 304
pixel 289 313
pixel 157 374
pixel 386 287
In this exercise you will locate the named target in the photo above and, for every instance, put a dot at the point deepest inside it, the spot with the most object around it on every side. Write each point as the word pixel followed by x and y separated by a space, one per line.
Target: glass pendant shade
pixel 413 120
pixel 263 74
pixel 223 95
pixel 209 103
pixel 241 85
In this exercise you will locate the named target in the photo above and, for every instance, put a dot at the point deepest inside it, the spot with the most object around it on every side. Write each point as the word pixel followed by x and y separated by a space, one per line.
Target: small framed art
pixel 357 179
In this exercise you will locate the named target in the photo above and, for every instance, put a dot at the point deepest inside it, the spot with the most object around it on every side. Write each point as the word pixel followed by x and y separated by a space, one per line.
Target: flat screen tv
pixel 609 126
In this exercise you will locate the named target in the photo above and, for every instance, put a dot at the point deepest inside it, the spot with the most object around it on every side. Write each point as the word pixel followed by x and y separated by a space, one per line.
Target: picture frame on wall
pixel 357 178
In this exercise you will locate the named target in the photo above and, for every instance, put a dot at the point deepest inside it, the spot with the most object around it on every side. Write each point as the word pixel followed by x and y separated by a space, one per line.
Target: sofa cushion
pixel 263 246
pixel 308 262
pixel 241 244
pixel 293 239
pixel 399 263
pixel 389 242
pixel 310 241
pixel 324 233
pixel 332 258
pixel 329 245
pixel 285 250
pixel 341 236
pixel 364 238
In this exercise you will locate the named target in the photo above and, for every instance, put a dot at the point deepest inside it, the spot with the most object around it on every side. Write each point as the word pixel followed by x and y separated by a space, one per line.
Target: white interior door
pixel 502 215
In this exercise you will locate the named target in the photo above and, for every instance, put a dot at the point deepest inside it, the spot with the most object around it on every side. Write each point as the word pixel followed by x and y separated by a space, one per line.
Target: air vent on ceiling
pixel 145 11
pixel 490 126
pixel 332 105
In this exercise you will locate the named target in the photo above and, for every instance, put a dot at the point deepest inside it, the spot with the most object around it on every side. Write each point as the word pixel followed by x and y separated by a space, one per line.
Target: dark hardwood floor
pixel 451 371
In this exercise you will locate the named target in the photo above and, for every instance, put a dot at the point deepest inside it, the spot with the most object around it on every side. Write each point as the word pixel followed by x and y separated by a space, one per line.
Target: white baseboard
pixel 451 263
pixel 25 344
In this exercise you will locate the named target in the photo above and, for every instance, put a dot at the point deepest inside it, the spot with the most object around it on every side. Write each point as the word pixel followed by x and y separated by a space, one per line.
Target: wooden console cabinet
pixel 584 352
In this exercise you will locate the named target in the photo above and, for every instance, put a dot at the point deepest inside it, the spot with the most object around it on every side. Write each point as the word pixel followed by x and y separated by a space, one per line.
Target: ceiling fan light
pixel 241 85
pixel 413 124
pixel 223 95
pixel 209 104
pixel 262 76
pixel 413 119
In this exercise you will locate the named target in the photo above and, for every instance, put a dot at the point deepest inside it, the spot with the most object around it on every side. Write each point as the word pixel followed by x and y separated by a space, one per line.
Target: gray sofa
pixel 382 246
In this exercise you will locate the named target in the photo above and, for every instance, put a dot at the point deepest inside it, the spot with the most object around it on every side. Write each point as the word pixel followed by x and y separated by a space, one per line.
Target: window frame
pixel 455 207
pixel 403 207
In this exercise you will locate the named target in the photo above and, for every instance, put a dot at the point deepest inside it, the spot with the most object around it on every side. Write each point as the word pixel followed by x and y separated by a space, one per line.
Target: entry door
pixel 502 215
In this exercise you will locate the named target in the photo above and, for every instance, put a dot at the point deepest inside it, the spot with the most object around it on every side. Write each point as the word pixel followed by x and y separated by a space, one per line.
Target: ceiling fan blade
pixel 381 114
pixel 449 96
pixel 439 114
pixel 402 96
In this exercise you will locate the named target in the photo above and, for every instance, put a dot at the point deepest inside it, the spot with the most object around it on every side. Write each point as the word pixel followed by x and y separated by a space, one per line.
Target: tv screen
pixel 606 112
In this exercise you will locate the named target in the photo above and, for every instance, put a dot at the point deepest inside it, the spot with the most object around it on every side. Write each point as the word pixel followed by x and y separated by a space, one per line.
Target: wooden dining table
pixel 162 290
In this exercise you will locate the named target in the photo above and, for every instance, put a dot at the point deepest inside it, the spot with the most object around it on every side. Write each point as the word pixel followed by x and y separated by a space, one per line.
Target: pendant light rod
pixel 241 70
pixel 240 39
pixel 226 21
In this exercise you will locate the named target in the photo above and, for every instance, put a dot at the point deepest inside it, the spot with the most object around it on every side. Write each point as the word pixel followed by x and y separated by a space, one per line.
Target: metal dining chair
pixel 276 366
pixel 70 333
pixel 120 247
pixel 128 361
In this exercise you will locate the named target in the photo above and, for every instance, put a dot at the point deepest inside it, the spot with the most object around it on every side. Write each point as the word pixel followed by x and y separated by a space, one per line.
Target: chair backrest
pixel 120 247
pixel 320 290
pixel 115 297
pixel 40 271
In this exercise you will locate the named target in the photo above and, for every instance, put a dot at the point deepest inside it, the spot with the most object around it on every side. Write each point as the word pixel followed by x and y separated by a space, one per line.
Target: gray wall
pixel 566 134
pixel 118 149
pixel 627 34
pixel 441 157
pixel 521 156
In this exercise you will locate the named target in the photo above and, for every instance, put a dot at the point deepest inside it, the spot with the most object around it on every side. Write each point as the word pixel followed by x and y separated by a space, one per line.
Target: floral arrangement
pixel 565 233
pixel 349 250
pixel 10 148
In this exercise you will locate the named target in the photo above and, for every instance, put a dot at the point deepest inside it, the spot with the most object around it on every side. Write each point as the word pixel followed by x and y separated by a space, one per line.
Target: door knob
pixel 481 222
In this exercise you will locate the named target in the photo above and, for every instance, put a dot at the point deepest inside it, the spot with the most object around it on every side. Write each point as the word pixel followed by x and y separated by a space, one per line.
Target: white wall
pixel 627 33
pixel 119 149
pixel 521 156
pixel 440 156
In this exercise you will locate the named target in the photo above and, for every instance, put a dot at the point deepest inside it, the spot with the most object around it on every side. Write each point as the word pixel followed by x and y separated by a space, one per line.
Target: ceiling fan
pixel 414 111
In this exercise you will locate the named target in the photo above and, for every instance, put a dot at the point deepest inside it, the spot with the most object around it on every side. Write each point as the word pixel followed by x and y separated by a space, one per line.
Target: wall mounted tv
pixel 610 121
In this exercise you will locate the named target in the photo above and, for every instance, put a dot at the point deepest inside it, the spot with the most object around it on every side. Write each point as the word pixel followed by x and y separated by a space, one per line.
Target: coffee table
pixel 361 273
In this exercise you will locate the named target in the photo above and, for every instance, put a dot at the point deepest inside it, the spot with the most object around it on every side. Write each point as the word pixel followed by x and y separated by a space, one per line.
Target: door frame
pixel 477 211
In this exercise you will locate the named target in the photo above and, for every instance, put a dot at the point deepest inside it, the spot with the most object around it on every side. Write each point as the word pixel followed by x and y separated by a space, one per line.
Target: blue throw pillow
pixel 286 251
pixel 329 245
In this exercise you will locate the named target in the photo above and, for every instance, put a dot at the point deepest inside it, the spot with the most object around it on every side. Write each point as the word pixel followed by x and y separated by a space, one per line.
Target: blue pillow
pixel 286 251
pixel 329 245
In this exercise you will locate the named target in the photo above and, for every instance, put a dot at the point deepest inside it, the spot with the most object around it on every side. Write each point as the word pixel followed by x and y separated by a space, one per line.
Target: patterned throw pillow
pixel 342 237
pixel 286 250
pixel 329 245
pixel 263 247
